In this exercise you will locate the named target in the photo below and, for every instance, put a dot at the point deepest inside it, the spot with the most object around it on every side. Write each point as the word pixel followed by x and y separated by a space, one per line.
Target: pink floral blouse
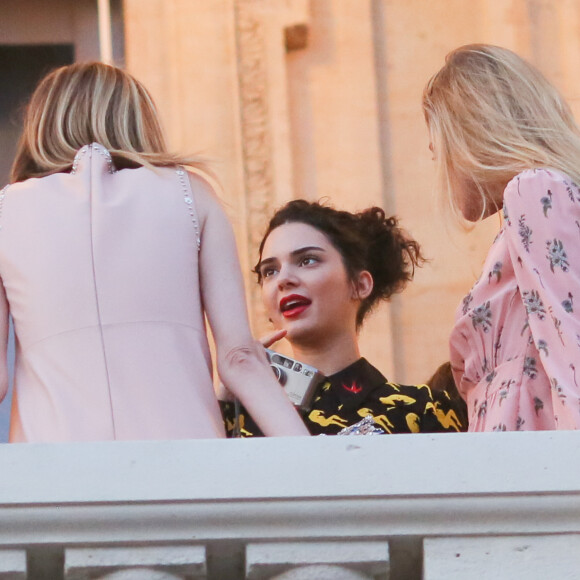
pixel 515 347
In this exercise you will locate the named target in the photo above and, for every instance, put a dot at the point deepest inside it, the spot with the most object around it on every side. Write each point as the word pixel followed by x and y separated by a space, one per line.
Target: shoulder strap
pixel 188 199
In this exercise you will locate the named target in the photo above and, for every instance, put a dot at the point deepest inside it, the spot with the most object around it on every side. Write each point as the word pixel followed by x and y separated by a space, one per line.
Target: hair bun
pixel 367 240
pixel 392 254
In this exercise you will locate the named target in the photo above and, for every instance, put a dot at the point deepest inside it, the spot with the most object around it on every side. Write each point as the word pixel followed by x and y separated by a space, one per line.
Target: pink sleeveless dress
pixel 99 271
pixel 515 347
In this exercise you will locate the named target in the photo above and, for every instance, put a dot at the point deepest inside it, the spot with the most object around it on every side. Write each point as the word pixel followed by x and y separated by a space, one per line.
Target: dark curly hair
pixel 366 240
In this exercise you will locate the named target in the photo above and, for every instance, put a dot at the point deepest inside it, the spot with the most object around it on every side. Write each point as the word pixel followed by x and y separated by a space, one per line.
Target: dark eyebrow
pixel 306 249
pixel 294 253
pixel 265 262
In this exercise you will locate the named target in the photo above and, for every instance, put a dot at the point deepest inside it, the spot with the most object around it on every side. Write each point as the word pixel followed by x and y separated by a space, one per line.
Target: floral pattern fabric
pixel 516 341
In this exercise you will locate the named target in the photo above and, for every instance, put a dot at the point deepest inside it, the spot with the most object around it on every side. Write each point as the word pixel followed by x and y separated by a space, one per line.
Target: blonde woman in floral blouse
pixel 504 140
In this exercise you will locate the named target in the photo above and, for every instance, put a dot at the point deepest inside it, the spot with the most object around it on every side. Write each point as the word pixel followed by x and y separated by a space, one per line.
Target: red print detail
pixel 354 388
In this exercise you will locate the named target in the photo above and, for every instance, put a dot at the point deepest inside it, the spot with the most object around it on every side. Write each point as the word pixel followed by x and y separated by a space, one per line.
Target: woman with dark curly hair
pixel 322 271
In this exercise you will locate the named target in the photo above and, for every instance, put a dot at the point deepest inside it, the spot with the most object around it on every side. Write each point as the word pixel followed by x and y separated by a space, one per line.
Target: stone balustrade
pixel 453 506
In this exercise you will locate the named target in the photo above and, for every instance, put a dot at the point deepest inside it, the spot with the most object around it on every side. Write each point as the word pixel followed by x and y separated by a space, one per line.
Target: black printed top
pixel 360 390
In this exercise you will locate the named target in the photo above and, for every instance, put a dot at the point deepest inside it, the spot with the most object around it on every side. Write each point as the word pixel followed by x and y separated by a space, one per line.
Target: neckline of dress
pixel 100 149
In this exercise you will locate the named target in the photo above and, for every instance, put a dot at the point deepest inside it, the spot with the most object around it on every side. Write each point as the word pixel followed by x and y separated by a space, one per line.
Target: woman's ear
pixel 363 285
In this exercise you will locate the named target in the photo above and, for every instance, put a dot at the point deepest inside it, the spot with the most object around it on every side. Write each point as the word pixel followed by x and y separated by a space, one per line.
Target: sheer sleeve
pixel 542 212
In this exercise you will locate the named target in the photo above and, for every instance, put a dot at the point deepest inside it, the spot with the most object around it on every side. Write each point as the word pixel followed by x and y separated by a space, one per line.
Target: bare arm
pixel 241 361
pixel 4 383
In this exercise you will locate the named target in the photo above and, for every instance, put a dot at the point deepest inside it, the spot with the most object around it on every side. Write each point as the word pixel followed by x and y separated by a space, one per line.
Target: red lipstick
pixel 293 305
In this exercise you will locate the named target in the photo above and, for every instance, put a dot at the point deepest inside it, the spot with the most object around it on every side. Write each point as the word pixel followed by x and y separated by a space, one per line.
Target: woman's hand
pixel 268 340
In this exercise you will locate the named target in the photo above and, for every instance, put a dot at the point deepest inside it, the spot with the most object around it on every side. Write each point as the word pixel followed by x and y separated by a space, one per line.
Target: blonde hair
pixel 83 103
pixel 492 115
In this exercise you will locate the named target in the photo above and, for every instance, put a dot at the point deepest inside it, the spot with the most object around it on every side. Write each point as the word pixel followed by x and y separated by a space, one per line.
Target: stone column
pixel 262 42
pixel 217 72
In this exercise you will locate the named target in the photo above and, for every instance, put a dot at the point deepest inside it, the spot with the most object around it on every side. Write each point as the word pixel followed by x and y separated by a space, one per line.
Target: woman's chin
pixel 296 332
pixel 304 336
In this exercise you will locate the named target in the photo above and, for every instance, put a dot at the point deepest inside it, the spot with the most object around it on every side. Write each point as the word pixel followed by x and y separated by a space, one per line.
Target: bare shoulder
pixel 204 190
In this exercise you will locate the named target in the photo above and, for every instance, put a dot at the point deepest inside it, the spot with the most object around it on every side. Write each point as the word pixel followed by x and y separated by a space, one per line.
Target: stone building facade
pixel 321 99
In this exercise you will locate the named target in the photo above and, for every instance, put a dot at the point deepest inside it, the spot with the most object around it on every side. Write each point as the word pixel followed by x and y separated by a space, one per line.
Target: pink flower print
pixel 481 316
pixel 466 302
pixel 534 304
pixel 547 203
pixel 482 410
pixel 537 272
pixel 543 346
pixel 496 271
pixel 568 304
pixel 557 255
pixel 506 217
pixel 530 367
pixel 573 368
pixel 573 197
pixel 559 390
pixel 525 233
pixel 504 391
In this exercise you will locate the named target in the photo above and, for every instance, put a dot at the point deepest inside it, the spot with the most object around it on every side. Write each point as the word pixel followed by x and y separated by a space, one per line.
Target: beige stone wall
pixel 33 22
pixel 338 116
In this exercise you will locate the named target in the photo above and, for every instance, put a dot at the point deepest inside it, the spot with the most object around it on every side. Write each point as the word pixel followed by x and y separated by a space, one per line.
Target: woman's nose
pixel 287 278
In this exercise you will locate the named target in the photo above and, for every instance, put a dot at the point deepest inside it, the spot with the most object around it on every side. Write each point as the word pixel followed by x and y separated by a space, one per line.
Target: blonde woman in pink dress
pixel 111 255
pixel 505 141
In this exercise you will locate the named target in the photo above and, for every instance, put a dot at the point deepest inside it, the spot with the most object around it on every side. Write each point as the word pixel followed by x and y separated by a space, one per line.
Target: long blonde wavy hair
pixel 83 103
pixel 492 115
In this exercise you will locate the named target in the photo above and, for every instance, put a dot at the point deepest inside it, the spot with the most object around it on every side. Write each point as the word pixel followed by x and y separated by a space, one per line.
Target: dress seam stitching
pixel 108 324
pixel 97 304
